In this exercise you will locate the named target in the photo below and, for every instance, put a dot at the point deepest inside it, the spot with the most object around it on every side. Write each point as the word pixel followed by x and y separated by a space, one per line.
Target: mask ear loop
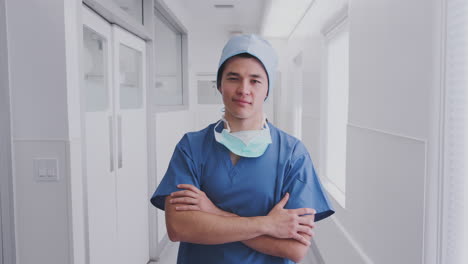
pixel 264 123
pixel 227 123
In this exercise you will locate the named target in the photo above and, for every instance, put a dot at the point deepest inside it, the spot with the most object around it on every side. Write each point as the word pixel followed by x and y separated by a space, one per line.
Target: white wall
pixel 37 69
pixel 392 62
pixel 391 75
pixel 311 97
pixel 42 220
pixel 40 129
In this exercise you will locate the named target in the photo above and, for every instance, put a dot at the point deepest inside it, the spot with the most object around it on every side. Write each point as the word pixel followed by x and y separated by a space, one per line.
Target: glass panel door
pixel 99 139
pixel 130 72
pixel 132 169
pixel 94 65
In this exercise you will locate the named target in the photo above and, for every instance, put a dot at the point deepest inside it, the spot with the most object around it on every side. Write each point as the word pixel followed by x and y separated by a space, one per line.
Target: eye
pixel 256 81
pixel 232 78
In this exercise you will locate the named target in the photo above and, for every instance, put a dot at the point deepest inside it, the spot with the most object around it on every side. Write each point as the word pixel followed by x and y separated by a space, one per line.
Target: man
pixel 241 190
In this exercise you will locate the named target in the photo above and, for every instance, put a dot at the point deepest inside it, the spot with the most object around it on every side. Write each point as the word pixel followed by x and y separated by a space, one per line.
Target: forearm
pixel 192 217
pixel 204 228
pixel 284 248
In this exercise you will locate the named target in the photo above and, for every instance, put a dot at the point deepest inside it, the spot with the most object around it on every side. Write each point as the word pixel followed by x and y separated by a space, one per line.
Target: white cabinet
pixel 115 141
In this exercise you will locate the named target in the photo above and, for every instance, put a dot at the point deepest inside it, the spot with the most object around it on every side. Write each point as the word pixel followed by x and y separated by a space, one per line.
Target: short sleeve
pixel 305 189
pixel 181 170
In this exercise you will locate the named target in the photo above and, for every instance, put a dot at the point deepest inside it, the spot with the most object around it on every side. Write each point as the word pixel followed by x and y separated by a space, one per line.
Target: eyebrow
pixel 238 75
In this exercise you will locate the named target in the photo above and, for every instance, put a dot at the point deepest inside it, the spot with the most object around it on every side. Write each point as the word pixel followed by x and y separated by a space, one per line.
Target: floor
pixel 169 255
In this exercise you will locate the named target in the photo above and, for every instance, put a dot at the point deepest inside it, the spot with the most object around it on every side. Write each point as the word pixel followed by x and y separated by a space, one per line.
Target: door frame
pixel 7 227
pixel 113 14
pixel 116 30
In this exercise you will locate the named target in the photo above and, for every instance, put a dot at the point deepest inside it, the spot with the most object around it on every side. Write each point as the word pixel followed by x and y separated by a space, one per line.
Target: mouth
pixel 242 102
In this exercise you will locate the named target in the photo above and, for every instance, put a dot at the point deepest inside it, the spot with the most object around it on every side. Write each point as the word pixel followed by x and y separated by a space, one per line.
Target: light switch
pixel 46 169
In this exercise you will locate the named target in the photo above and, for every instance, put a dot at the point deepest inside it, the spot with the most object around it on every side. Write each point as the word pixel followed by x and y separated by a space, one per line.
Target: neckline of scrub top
pixel 232 169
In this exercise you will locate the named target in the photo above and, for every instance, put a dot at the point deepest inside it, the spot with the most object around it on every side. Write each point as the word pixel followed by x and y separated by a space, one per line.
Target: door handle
pixel 119 135
pixel 111 143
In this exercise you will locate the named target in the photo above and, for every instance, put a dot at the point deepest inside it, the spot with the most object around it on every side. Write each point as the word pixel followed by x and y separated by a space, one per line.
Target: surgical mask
pixel 249 143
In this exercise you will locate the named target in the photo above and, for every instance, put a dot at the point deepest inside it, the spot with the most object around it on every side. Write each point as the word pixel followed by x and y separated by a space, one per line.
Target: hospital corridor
pixel 233 131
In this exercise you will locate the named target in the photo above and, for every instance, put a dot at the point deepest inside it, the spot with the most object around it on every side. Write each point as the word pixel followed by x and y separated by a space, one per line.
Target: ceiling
pixel 246 15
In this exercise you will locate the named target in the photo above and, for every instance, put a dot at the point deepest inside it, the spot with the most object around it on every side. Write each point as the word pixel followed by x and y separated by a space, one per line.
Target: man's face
pixel 244 87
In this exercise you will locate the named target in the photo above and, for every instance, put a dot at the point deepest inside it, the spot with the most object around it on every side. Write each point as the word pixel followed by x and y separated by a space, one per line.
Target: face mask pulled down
pixel 249 143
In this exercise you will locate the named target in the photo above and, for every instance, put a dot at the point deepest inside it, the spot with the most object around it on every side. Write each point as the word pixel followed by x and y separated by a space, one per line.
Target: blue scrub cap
pixel 255 46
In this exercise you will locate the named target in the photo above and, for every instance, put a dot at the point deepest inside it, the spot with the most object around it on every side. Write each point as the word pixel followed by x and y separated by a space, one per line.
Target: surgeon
pixel 242 190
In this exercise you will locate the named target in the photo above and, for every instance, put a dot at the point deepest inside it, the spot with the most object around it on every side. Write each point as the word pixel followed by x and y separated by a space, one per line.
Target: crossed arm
pixel 192 217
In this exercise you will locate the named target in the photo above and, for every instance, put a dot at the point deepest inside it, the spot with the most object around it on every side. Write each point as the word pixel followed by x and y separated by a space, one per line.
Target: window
pixel 208 93
pixel 335 114
pixel 168 42
pixel 455 192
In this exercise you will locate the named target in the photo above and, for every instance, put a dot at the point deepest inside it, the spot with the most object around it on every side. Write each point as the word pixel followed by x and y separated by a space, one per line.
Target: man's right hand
pixel 290 223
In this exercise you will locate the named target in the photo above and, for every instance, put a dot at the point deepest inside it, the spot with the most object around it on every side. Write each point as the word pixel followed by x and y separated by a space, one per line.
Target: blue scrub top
pixel 252 187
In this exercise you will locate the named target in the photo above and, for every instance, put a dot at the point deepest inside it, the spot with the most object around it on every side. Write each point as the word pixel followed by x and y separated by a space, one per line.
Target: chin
pixel 241 114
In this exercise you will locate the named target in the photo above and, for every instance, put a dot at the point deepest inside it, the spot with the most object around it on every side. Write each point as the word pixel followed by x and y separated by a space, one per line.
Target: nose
pixel 244 88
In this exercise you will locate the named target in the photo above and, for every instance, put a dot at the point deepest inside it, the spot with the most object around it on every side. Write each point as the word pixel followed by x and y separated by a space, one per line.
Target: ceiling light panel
pixel 223 6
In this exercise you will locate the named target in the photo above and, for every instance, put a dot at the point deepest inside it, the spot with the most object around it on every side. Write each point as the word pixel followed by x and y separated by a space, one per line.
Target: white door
pixel 132 176
pixel 116 155
pixel 100 138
